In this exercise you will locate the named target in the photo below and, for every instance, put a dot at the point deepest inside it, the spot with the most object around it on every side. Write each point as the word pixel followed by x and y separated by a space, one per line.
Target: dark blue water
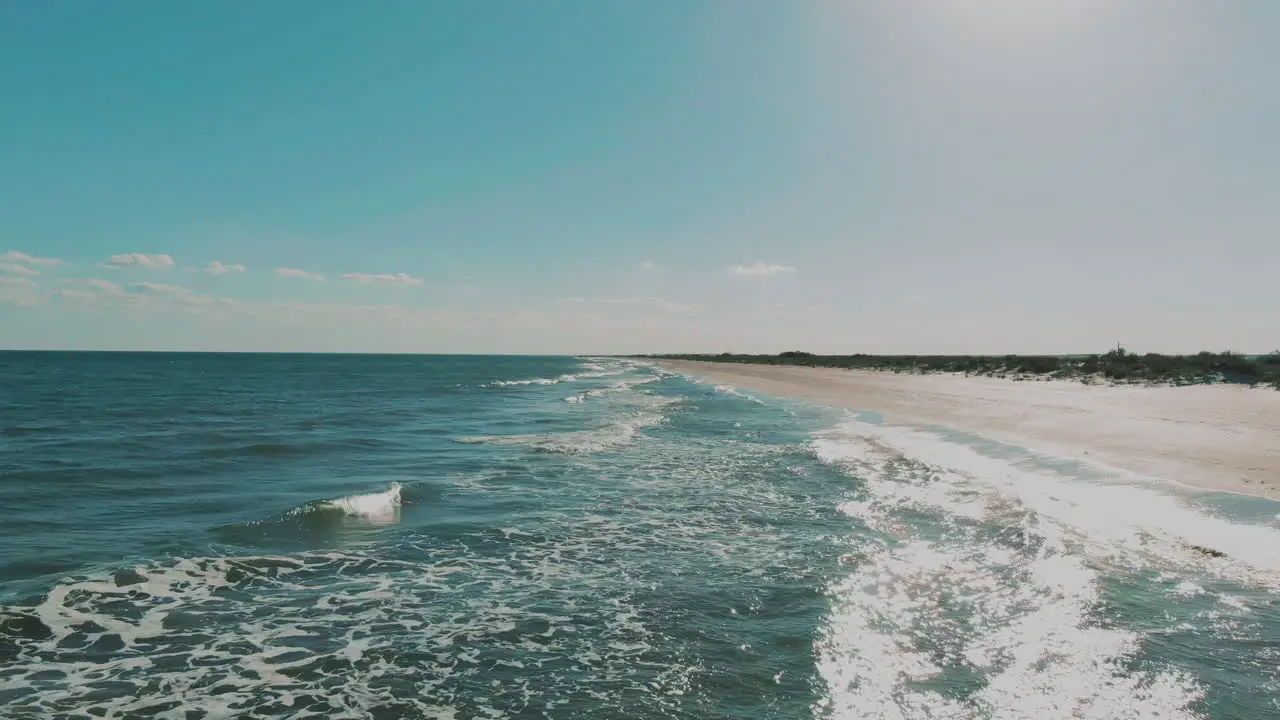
pixel 215 536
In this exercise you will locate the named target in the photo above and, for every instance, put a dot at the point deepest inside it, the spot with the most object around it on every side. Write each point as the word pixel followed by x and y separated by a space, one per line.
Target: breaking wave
pixel 589 371
pixel 616 435
pixel 378 508
pixel 979 570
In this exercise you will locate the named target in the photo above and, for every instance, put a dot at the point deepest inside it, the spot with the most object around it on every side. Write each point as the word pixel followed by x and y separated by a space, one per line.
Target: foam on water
pixel 590 370
pixel 617 434
pixel 1136 524
pixel 662 551
pixel 984 573
pixel 322 640
pixel 380 507
pixel 731 390
pixel 621 386
pixel 601 604
pixel 532 381
pixel 633 412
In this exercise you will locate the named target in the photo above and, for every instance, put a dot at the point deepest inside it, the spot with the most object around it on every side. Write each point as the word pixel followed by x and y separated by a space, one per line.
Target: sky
pixel 985 176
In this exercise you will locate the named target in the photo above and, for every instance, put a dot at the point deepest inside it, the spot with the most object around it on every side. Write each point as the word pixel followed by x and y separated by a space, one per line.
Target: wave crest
pixel 581 442
pixel 379 508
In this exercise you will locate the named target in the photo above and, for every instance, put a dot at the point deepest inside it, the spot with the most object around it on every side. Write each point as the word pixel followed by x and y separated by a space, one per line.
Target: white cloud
pixel 78 294
pixel 105 286
pixel 648 301
pixel 19 270
pixel 96 293
pixel 648 265
pixel 232 303
pixel 19 291
pixel 21 257
pixel 217 268
pixel 761 270
pixel 159 288
pixel 296 273
pixel 171 292
pixel 151 262
pixel 373 279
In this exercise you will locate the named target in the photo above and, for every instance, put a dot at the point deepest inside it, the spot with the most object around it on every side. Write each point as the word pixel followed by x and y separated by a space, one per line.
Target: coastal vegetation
pixel 1116 366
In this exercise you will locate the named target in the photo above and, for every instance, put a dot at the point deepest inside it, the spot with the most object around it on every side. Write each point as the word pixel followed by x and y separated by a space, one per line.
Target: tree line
pixel 1117 366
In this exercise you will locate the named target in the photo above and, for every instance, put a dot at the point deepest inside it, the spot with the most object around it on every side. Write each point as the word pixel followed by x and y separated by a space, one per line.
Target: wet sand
pixel 1214 437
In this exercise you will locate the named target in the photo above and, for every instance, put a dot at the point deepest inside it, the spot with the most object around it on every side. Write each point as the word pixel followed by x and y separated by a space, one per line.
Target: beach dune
pixel 1213 437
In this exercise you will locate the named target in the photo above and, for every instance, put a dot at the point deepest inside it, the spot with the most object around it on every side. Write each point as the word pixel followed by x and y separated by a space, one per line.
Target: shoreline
pixel 1220 438
pixel 1114 367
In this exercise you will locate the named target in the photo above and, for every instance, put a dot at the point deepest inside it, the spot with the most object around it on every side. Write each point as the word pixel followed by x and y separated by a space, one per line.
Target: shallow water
pixel 209 536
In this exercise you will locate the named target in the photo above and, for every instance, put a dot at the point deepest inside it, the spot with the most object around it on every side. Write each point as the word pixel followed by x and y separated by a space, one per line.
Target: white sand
pixel 1215 437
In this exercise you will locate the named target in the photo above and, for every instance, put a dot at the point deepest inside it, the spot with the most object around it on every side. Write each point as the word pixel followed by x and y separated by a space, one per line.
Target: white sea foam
pixel 379 508
pixel 533 381
pixel 731 390
pixel 616 435
pixel 588 372
pixel 986 566
pixel 544 610
pixel 323 626
pixel 1186 588
pixel 635 412
pixel 1137 524
pixel 621 386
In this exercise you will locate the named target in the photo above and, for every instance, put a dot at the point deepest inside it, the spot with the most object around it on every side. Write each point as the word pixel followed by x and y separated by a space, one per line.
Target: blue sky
pixel 567 177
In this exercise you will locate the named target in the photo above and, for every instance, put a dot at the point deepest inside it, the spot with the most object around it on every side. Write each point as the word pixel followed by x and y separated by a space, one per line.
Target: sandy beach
pixel 1214 437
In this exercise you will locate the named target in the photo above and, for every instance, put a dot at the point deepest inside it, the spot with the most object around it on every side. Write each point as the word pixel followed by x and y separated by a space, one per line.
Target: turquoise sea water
pixel 269 536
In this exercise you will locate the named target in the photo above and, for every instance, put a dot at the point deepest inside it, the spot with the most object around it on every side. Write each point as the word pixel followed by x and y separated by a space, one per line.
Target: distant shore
pixel 1115 367
pixel 1221 437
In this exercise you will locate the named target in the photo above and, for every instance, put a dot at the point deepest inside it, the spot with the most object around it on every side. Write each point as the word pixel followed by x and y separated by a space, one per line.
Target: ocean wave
pixel 589 371
pixel 421 629
pixel 166 639
pixel 283 449
pixel 1024 619
pixel 620 386
pixel 615 436
pixel 977 565
pixel 1135 524
pixel 321 521
pixel 532 381
pixel 731 390
pixel 377 508
pixel 566 378
pixel 29 430
pixel 646 410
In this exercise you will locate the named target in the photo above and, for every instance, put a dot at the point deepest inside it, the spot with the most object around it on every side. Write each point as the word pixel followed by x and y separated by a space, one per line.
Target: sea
pixel 198 536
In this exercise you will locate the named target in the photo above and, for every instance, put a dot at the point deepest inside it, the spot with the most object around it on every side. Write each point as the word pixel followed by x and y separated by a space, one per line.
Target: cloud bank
pixel 642 302
pixel 217 268
pixel 21 257
pixel 105 286
pixel 142 260
pixel 761 269
pixel 16 269
pixel 296 273
pixel 384 279
pixel 171 292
